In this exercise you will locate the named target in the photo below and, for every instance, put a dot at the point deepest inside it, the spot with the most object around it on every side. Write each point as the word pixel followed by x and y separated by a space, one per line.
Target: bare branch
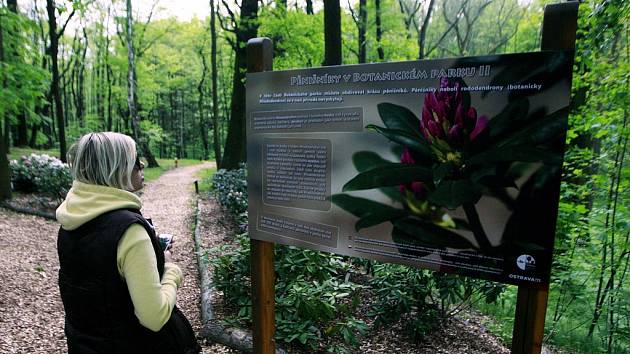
pixel 224 25
pixel 355 18
pixel 63 29
pixel 146 24
pixel 232 16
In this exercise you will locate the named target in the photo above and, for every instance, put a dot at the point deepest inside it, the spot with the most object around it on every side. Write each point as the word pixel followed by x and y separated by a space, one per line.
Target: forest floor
pixel 32 313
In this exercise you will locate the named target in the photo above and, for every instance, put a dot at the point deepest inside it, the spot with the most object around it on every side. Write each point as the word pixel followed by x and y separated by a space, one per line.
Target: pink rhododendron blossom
pixel 447 124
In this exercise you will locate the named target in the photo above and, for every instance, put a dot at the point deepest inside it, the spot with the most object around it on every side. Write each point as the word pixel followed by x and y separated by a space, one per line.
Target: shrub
pixel 41 174
pixel 313 298
pixel 316 301
pixel 230 189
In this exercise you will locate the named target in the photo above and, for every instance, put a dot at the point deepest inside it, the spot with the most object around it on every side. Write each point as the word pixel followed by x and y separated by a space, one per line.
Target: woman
pixel 117 286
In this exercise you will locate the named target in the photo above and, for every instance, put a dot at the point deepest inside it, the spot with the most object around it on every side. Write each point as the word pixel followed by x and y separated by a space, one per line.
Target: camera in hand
pixel 165 241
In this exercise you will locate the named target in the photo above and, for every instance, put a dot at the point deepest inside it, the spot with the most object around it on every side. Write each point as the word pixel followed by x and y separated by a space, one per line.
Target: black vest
pixel 99 312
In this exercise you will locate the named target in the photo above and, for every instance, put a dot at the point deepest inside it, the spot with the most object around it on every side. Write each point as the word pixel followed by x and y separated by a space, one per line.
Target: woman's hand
pixel 168 256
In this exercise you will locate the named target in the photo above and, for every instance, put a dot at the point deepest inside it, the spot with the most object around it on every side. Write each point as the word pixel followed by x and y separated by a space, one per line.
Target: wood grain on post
pixel 558 33
pixel 260 58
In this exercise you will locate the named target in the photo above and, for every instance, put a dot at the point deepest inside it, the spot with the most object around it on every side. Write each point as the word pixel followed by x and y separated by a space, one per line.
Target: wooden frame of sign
pixel 558 33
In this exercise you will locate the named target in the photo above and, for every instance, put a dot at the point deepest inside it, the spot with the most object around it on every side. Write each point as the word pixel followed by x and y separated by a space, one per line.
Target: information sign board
pixel 451 165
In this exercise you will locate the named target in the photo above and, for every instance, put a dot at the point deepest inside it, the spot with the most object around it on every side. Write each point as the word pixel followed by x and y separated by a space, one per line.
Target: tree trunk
pixel 5 174
pixel 108 78
pixel 379 30
pixel 132 96
pixel 362 24
pixel 235 144
pixel 4 138
pixel 182 148
pixel 422 34
pixel 332 33
pixel 33 142
pixel 80 80
pixel 309 7
pixel 203 125
pixel 54 88
pixel 215 92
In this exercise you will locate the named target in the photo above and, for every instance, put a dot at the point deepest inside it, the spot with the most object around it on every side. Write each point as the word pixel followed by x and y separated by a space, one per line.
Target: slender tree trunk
pixel 422 34
pixel 203 124
pixel 33 142
pixel 108 75
pixel 56 94
pixel 362 30
pixel 132 95
pixel 5 174
pixel 108 78
pixel 611 205
pixel 235 144
pixel 182 148
pixel 5 140
pixel 379 31
pixel 332 33
pixel 215 92
pixel 309 7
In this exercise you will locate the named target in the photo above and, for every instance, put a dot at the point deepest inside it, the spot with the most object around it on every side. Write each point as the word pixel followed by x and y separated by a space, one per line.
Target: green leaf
pixel 358 206
pixel 366 160
pixel 388 175
pixel 432 235
pixel 540 131
pixel 443 170
pixel 515 154
pixel 404 138
pixel 483 172
pixel 399 118
pixel 452 194
pixel 378 217
pixel 502 121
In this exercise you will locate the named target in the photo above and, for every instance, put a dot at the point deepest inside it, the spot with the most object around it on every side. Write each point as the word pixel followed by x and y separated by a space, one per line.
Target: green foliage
pixel 205 179
pixel 17 153
pixel 588 306
pixel 41 174
pixel 315 297
pixel 151 174
pixel 403 290
pixel 23 81
pixel 230 189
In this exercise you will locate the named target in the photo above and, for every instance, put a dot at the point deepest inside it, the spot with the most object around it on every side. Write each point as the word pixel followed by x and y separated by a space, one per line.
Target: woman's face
pixel 137 176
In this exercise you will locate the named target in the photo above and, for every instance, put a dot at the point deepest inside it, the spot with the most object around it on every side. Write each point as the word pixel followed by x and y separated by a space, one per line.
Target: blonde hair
pixel 105 159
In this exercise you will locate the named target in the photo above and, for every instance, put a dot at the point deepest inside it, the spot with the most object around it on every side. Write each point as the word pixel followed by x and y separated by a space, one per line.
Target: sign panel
pixel 451 165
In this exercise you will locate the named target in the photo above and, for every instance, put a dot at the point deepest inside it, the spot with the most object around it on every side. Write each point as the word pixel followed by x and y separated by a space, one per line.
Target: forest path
pixel 32 313
pixel 169 201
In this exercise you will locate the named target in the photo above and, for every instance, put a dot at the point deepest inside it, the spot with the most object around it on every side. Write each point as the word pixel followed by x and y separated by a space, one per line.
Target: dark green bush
pixel 41 174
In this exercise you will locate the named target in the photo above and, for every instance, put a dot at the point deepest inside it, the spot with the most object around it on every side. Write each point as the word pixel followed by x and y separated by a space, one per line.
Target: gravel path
pixel 31 319
pixel 169 201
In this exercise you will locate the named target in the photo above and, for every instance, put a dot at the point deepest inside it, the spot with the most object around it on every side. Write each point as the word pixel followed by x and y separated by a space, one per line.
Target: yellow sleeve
pixel 153 299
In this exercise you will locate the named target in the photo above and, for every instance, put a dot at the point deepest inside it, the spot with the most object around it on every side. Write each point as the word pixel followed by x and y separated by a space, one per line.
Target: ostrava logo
pixel 526 262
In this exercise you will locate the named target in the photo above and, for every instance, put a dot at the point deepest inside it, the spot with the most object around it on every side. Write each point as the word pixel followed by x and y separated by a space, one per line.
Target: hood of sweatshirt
pixel 85 202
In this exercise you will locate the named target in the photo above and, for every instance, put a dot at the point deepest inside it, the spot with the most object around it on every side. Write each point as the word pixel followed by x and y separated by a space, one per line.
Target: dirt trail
pixel 32 313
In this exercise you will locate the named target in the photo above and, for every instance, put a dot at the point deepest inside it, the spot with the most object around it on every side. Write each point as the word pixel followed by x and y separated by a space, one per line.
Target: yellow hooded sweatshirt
pixel 153 298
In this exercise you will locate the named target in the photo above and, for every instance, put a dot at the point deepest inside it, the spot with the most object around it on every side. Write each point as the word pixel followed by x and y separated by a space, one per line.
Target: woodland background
pixel 72 67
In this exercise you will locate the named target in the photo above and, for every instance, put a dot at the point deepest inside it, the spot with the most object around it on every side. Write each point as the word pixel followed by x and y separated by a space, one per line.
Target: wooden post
pixel 558 33
pixel 196 187
pixel 260 58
